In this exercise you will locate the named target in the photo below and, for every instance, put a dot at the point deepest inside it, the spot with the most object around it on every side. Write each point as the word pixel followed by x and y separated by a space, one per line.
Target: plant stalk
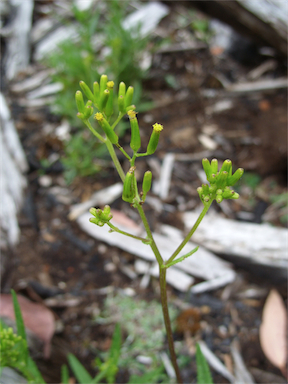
pixel 115 160
pixel 193 229
pixel 163 289
pixel 149 234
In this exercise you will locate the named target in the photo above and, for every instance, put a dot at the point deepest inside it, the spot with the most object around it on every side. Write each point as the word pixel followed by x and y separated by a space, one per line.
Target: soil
pixel 54 253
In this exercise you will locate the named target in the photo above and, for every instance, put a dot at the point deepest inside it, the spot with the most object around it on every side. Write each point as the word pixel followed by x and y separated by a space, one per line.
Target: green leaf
pixel 203 371
pixel 64 374
pixel 115 349
pixel 34 371
pixel 19 323
pixel 79 371
pixel 149 377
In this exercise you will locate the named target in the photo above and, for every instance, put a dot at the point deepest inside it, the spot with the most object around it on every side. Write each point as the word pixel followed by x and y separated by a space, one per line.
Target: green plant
pixel 203 371
pixel 219 188
pixel 107 369
pixel 81 57
pixel 80 154
pixel 14 348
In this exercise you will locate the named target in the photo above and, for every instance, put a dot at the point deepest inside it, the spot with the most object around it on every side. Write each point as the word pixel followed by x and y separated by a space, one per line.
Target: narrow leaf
pixel 273 330
pixel 203 371
pixel 18 315
pixel 20 324
pixel 64 374
pixel 79 371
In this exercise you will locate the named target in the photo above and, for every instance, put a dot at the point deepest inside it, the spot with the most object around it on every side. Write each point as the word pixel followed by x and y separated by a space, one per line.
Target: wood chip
pixel 105 196
pixel 257 243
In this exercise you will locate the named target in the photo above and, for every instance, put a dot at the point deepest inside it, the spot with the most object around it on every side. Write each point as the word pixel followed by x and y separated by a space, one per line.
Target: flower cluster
pixel 9 347
pixel 220 181
pixel 101 217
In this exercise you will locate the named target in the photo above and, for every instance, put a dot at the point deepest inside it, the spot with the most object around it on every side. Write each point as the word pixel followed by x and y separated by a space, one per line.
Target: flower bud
pixel 88 111
pixel 80 116
pixel 146 185
pixel 227 166
pixel 235 177
pixel 214 166
pixel 135 142
pixel 122 89
pixel 129 192
pixel 96 90
pixel 219 199
pixel 228 193
pixel 222 179
pixel 86 90
pixel 80 101
pixel 103 83
pixel 121 105
pixel 207 167
pixel 128 96
pixel 200 192
pixel 109 105
pixel 130 108
pixel 153 142
pixel 111 135
pixel 205 189
pixel 104 96
pixel 212 178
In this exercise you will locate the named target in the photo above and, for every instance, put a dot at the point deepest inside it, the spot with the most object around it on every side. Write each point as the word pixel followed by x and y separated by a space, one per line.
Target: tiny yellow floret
pixel 131 114
pixel 157 127
pixel 110 84
pixel 99 116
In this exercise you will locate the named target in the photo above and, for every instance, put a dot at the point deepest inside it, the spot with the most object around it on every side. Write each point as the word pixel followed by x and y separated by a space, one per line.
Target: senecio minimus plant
pixel 220 180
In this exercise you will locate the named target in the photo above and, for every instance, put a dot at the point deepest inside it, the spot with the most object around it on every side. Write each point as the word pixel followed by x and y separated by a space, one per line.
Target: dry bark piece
pixel 273 330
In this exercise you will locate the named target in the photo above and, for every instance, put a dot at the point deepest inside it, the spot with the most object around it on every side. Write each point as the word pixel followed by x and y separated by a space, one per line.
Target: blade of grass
pixel 203 371
pixel 79 371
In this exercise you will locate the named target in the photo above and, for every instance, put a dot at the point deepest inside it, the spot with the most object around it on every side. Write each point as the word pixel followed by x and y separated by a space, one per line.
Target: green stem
pixel 115 229
pixel 193 229
pixel 123 151
pixel 95 133
pixel 149 234
pixel 117 120
pixel 163 289
pixel 115 160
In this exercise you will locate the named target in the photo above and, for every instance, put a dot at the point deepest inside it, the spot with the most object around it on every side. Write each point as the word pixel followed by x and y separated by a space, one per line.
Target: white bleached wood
pixel 241 372
pixel 51 41
pixel 46 90
pixel 18 45
pixel 105 196
pixel 165 175
pixel 12 165
pixel 10 136
pixel 31 82
pixel 215 362
pixel 147 17
pixel 258 243
pixel 205 265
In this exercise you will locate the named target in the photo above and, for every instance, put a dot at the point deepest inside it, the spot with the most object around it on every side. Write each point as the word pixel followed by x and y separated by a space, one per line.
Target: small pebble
pixel 45 181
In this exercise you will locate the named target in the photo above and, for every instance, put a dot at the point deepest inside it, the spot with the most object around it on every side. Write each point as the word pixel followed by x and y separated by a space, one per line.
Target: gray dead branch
pixel 18 40
pixel 206 265
pixel 242 374
pixel 215 363
pixel 147 16
pixel 99 198
pixel 30 83
pixel 13 164
pixel 253 243
pixel 256 86
pixel 264 21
